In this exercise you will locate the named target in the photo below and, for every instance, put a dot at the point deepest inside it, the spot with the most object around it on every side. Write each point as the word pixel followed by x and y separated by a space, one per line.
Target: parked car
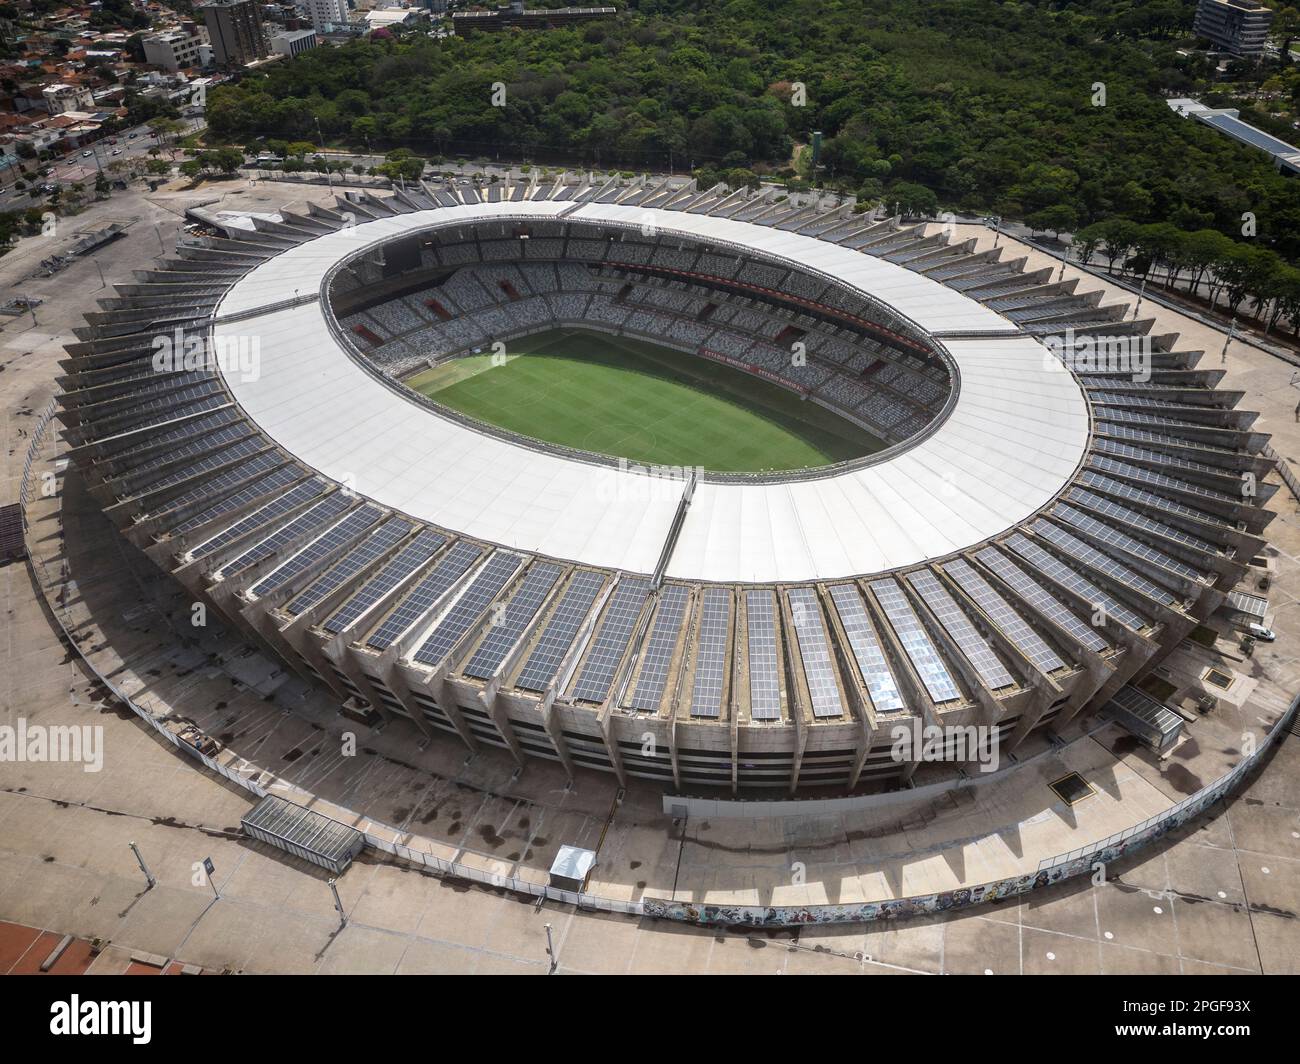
pixel 1264 635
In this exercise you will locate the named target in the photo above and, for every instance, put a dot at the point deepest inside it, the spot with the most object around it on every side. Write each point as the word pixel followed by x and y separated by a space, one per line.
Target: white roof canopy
pixel 1014 437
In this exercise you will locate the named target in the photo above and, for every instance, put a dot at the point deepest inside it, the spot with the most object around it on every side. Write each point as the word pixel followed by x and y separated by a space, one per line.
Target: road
pixel 78 167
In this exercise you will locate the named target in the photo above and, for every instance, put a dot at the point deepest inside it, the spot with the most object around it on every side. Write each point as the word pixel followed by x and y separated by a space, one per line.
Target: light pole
pixel 338 904
pixel 143 867
pixel 1141 295
pixel 1232 332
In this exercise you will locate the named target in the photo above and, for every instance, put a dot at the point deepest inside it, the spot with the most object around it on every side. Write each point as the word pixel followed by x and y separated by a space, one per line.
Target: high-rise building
pixel 325 13
pixel 175 49
pixel 235 30
pixel 1236 26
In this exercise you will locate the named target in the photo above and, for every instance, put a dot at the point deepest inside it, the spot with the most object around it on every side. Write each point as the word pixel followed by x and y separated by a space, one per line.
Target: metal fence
pixel 1283 470
pixel 1155 826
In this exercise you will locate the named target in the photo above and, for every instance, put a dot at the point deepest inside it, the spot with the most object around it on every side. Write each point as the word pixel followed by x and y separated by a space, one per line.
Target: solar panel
pixel 560 631
pixel 215 485
pixel 916 643
pixel 764 664
pixel 302 525
pixel 868 652
pixel 423 547
pixel 815 651
pixel 1050 566
pixel 1040 599
pixel 610 643
pixel 513 620
pixel 494 575
pixel 977 649
pixel 1104 507
pixel 1159 480
pixel 656 657
pixel 711 653
pixel 1008 621
pixel 1102 563
pixel 358 559
pixel 1156 458
pixel 1256 138
pixel 427 591
pixel 197 426
pixel 320 548
pixel 303 493
pixel 1145 498
pixel 145 476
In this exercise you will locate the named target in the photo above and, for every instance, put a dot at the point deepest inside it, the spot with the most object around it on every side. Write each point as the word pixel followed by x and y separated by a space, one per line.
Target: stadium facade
pixel 1063 497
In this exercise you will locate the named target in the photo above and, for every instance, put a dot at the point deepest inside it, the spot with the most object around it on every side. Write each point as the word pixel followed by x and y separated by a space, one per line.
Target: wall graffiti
pixel 1060 869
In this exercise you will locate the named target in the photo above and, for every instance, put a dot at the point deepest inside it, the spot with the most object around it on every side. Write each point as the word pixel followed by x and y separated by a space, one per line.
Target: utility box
pixel 571 867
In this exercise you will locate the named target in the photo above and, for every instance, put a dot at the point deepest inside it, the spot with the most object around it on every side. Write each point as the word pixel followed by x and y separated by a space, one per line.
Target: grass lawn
pixel 646 403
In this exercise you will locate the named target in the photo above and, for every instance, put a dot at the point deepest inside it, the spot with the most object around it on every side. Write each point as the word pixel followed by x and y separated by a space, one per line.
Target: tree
pixel 913 200
pixel 1054 219
pixel 1118 238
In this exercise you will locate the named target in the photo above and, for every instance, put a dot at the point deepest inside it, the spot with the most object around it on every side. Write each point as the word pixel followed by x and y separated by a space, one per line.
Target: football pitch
pixel 623 397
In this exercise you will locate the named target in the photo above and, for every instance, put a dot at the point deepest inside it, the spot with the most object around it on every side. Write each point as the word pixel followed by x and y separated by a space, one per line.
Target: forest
pixel 1050 111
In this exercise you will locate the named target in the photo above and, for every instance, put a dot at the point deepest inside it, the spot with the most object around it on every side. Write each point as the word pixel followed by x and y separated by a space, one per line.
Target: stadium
pixel 702 487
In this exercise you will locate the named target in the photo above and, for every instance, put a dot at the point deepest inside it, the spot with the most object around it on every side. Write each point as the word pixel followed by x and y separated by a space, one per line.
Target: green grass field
pixel 646 403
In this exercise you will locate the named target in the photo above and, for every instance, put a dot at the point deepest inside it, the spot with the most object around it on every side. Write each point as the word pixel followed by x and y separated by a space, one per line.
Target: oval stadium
pixel 702 487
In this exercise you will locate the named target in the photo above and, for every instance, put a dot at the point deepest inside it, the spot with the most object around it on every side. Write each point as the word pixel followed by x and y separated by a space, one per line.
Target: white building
pixel 177 49
pixel 61 98
pixel 293 43
pixel 325 13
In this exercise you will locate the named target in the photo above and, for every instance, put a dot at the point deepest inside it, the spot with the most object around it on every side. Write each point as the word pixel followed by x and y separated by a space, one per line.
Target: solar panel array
pixel 561 629
pixel 916 643
pixel 1144 498
pixel 407 560
pixel 867 651
pixel 657 655
pixel 1008 621
pixel 1108 508
pixel 486 586
pixel 711 653
pixel 511 622
pixel 1112 537
pixel 764 663
pixel 302 525
pixel 420 599
pixel 815 652
pixel 1160 480
pixel 358 559
pixel 972 644
pixel 610 644
pixel 320 548
pixel 1040 599
pixel 1057 570
pixel 227 479
pixel 1103 563
pixel 290 500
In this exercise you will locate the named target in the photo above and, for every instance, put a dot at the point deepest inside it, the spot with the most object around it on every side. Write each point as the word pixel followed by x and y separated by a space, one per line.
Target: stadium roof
pixel 1015 435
